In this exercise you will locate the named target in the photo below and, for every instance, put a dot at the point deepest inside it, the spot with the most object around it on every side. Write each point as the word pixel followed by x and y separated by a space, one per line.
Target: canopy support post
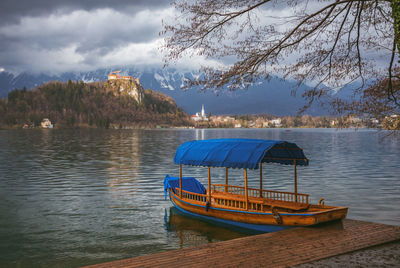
pixel 261 183
pixel 209 185
pixel 226 179
pixel 180 181
pixel 295 180
pixel 245 188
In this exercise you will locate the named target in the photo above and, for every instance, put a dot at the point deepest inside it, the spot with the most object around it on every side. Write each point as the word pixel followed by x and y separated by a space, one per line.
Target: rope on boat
pixel 321 202
pixel 276 215
pixel 207 206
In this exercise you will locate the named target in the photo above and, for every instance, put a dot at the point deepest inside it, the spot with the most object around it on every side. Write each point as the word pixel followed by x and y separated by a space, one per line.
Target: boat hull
pixel 259 221
pixel 249 226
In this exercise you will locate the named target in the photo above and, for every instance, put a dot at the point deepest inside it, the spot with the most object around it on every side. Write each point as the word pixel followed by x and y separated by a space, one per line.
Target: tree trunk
pixel 396 18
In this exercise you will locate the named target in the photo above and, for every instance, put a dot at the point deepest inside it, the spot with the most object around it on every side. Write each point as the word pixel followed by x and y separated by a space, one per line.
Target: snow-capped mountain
pixel 273 96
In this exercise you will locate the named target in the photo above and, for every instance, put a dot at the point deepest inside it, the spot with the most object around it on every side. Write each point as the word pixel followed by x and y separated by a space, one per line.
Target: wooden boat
pixel 241 206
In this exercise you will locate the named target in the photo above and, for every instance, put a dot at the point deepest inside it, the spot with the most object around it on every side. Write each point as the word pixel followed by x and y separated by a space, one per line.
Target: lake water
pixel 77 197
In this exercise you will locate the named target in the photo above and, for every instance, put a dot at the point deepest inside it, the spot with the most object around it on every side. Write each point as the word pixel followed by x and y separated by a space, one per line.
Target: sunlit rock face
pixel 132 88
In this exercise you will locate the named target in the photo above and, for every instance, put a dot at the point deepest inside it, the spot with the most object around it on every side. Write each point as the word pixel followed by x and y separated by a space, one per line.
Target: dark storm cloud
pixel 55 36
pixel 11 11
pixel 62 35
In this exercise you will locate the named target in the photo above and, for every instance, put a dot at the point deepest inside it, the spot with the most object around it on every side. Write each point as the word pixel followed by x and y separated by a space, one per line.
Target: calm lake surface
pixel 77 197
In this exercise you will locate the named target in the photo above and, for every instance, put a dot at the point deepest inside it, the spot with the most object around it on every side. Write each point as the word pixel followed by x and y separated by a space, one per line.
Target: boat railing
pixel 238 203
pixel 192 196
pixel 255 201
pixel 266 194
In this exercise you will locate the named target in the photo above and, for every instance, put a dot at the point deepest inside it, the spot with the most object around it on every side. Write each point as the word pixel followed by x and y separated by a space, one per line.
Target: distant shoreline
pixel 180 127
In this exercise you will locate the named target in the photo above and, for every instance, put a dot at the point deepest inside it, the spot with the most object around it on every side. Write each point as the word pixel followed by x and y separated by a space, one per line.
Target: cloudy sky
pixel 56 36
pixel 78 35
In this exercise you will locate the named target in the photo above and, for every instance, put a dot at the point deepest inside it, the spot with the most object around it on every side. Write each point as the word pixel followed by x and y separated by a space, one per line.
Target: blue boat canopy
pixel 239 153
pixel 189 184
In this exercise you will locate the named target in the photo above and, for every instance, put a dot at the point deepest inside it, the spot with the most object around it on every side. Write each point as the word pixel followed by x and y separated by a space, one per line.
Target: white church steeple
pixel 200 116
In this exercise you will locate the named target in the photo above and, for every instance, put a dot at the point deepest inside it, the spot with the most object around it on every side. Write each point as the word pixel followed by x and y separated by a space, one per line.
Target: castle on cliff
pixel 118 84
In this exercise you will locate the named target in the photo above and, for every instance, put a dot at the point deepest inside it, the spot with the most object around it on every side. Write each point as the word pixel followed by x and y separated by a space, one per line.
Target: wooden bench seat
pixel 285 205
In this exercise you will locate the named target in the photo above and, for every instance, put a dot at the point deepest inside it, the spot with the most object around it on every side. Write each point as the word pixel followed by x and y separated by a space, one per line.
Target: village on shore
pixel 202 120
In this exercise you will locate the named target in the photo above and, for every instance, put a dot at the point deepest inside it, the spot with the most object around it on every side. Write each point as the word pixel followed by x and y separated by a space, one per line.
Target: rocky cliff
pixel 120 87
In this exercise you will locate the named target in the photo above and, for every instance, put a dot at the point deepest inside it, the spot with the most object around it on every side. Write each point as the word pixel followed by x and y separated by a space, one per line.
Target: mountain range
pixel 262 97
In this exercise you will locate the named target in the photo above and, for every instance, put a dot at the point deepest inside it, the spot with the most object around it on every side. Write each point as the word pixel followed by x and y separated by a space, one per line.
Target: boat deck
pixel 279 249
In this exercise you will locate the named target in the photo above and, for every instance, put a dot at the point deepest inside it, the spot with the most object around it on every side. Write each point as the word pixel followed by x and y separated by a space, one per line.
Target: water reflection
pixel 192 231
pixel 124 162
pixel 200 134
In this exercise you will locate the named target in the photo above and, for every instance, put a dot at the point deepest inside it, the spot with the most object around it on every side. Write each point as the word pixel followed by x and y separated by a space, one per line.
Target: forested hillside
pixel 79 104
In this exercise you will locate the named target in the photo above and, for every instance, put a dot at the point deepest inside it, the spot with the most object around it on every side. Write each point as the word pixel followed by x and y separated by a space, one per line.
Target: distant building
pixel 374 121
pixel 275 122
pixel 200 116
pixel 229 119
pixel 115 75
pixel 46 123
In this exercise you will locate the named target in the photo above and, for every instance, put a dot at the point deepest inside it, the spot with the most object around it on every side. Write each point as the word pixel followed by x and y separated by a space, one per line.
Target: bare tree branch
pixel 338 43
